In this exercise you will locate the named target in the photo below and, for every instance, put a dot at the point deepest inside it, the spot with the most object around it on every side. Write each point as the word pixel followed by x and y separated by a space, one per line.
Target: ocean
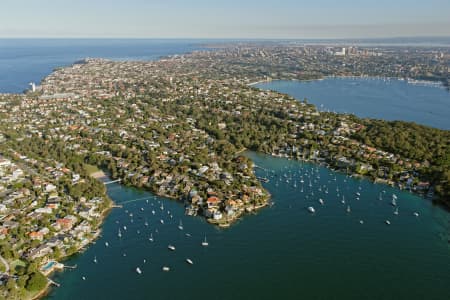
pixel 29 60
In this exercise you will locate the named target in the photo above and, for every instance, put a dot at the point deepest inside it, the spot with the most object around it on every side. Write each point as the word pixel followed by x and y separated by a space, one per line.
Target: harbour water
pixel 282 251
pixel 381 98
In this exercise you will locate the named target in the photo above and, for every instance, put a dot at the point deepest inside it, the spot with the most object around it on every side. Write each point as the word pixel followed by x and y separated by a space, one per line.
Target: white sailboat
pixel 171 247
pixel 394 202
pixel 119 234
pixel 180 226
pixel 95 259
pixel 205 242
pixel 311 209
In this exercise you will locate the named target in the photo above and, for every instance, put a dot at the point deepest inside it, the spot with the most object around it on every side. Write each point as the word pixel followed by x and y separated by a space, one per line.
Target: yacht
pixel 416 214
pixel 138 270
pixel 311 209
pixel 119 234
pixel 166 269
pixel 151 237
pixel 106 244
pixel 180 226
pixel 189 261
pixel 171 248
pixel 205 243
pixel 95 259
pixel 396 211
pixel 348 208
pixel 393 202
pixel 321 201
pixel 387 222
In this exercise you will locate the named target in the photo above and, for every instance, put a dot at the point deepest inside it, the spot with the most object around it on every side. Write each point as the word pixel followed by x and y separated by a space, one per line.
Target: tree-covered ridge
pixel 417 142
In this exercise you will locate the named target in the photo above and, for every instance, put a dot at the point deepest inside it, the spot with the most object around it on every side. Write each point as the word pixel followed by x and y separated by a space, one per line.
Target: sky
pixel 259 19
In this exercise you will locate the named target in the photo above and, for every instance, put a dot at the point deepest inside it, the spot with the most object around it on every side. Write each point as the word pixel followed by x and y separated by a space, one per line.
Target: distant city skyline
pixel 283 19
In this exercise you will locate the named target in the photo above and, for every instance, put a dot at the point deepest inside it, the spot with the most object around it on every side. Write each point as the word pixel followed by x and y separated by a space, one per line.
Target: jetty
pixel 54 282
pixel 112 181
pixel 263 179
pixel 70 267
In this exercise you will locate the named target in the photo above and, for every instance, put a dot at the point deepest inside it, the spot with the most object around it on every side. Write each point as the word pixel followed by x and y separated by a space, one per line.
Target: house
pixel 50 188
pixel 39 252
pixel 213 202
pixel 65 223
pixel 36 235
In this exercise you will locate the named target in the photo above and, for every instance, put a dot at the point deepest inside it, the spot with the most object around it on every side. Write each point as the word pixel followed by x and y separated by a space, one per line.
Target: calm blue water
pixel 26 60
pixel 283 252
pixel 375 98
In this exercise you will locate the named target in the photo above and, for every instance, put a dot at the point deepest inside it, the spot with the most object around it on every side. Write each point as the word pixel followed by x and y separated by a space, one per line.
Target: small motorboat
pixel 171 247
pixel 311 209
pixel 166 269
pixel 138 270
pixel 189 261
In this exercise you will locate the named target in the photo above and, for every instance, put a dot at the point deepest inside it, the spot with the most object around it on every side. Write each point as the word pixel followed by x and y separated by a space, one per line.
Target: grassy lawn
pixel 91 169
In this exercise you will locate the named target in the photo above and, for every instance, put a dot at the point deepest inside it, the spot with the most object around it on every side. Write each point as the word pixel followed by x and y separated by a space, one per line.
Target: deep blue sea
pixel 29 60
pixel 342 251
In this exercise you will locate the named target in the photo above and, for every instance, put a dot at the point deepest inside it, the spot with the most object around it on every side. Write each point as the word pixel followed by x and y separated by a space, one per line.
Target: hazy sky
pixel 224 19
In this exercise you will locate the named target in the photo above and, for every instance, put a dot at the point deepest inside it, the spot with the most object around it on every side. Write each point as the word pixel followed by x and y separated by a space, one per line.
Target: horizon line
pixel 226 38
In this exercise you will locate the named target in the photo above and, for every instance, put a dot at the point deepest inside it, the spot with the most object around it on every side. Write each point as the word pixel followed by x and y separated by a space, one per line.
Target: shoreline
pixel 408 80
pixel 47 289
pixel 377 180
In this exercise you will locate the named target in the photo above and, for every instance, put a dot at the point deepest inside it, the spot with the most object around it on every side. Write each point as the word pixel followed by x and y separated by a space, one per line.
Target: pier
pixel 53 282
pixel 112 181
pixel 70 267
pixel 263 179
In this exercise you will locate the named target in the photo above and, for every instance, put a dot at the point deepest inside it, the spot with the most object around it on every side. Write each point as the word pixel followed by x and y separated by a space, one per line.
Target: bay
pixel 380 98
pixel 283 251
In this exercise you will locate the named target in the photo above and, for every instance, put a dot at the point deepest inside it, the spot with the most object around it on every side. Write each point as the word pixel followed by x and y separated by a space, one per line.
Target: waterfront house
pixel 213 202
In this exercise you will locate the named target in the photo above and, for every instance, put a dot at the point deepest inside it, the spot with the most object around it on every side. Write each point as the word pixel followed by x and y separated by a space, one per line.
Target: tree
pixel 36 282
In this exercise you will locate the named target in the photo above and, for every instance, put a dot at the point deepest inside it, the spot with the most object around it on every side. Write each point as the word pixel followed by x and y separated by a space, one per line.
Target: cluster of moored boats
pixel 123 229
pixel 307 181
